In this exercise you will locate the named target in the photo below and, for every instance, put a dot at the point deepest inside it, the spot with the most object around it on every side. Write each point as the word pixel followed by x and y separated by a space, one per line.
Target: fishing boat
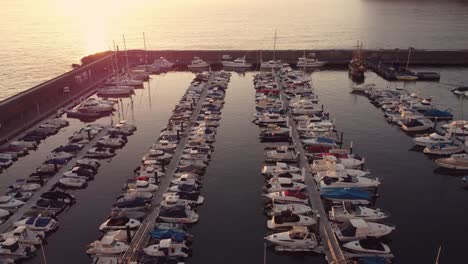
pixel 348 210
pixel 297 239
pixel 356 229
pixel 455 162
pixel 287 220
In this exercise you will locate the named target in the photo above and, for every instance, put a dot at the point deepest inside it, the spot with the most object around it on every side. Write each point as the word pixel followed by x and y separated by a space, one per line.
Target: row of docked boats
pixel 27 234
pixel 229 62
pixel 416 114
pixel 29 141
pixel 169 240
pixel 346 189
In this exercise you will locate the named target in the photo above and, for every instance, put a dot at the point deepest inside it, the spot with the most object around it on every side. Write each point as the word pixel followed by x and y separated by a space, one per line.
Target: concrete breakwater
pixel 29 107
pixel 332 56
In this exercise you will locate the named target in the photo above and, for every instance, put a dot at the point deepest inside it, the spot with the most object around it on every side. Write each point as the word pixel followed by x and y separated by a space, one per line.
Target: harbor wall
pixel 33 105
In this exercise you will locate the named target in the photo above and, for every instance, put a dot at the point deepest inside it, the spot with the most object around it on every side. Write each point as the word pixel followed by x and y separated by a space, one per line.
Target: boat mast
pixel 407 60
pixel 274 47
pixel 117 60
pixel 126 55
pixel 146 57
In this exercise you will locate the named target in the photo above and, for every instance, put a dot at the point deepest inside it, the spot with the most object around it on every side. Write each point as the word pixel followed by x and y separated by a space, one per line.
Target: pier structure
pixel 141 237
pixel 50 183
pixel 331 246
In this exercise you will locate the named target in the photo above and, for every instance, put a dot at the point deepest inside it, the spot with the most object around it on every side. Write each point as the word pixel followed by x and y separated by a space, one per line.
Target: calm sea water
pixel 428 208
pixel 41 39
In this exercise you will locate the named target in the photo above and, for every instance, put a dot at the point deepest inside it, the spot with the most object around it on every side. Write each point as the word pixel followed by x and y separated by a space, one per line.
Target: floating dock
pixel 141 237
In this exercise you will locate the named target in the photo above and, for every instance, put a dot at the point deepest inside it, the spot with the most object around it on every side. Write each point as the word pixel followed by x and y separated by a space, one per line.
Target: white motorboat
pixel 363 87
pixel 332 183
pixel 271 64
pixel 12 249
pixel 142 186
pixel 296 239
pixel 164 145
pixel 300 209
pixel 340 173
pixel 304 62
pixel 356 229
pixel 287 220
pixel 119 223
pixel 109 142
pixel 108 245
pixel 8 202
pixel 173 200
pixel 288 197
pixel 295 177
pixel 157 154
pixel 94 105
pixel 115 91
pixel 270 118
pixel 25 235
pixel 348 211
pixel 178 214
pixel 4 214
pixel 5 162
pixel 163 63
pixel 186 198
pixel 415 125
pixel 444 149
pixel 100 153
pixel 237 63
pixel 73 182
pixel 281 154
pixel 455 162
pixel 167 248
pixel 23 144
pixel 278 184
pixel 368 246
pixel 198 63
pixel 38 223
pixel 186 178
pixel 431 139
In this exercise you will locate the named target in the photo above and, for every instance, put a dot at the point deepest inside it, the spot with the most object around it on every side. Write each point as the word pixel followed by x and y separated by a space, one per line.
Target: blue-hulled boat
pixel 347 195
pixel 178 236
pixel 436 113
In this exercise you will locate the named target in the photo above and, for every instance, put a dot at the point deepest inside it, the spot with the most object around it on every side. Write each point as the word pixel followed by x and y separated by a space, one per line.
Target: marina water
pixel 427 207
